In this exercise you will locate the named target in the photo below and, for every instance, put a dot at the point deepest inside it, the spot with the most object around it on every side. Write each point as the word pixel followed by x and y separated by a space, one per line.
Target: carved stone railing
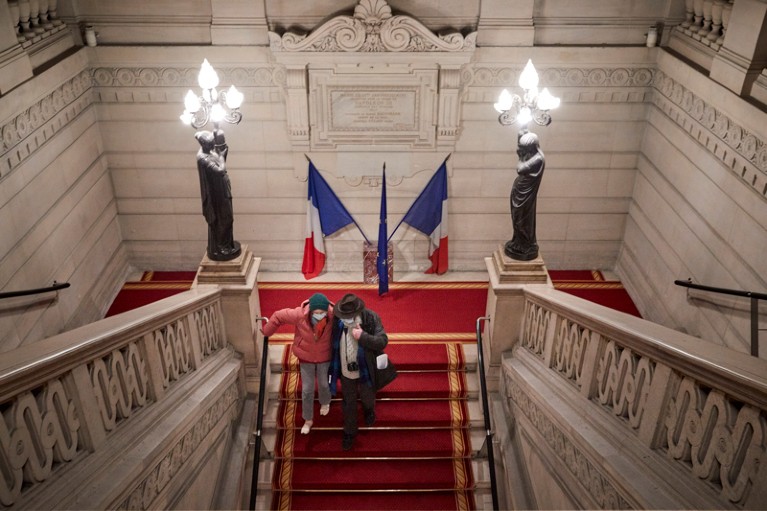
pixel 701 35
pixel 75 405
pixel 34 20
pixel 629 414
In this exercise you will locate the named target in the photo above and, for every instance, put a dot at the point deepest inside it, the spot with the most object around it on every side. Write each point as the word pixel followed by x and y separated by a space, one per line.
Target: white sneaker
pixel 307 427
pixel 324 409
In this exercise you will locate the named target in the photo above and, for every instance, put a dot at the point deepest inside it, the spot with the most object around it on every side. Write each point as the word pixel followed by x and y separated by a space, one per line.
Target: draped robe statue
pixel 523 246
pixel 216 192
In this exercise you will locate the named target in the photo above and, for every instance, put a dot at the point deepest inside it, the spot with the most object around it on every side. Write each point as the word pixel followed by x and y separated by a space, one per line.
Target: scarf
pixel 334 371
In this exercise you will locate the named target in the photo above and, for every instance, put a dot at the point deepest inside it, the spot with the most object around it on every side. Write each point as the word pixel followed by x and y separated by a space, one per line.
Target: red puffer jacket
pixel 308 345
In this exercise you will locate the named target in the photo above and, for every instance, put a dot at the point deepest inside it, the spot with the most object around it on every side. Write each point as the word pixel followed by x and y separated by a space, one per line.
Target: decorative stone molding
pixel 165 468
pixel 372 28
pixel 375 80
pixel 583 469
pixel 715 130
pixel 179 77
pixel 28 131
pixel 485 76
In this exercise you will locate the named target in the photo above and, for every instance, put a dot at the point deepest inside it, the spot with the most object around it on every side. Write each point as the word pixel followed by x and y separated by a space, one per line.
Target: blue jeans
pixel 308 374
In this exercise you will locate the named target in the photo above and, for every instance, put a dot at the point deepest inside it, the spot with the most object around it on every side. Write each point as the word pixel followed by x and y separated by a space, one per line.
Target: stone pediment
pixel 372 83
pixel 372 28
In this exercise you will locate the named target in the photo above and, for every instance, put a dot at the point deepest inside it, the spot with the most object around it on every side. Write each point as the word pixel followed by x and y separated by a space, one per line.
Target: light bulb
pixel 546 101
pixel 525 116
pixel 234 98
pixel 186 117
pixel 529 77
pixel 217 113
pixel 505 101
pixel 208 79
pixel 191 102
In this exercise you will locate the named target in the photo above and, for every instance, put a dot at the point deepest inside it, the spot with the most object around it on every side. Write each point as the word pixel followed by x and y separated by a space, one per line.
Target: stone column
pixel 506 306
pixel 15 66
pixel 238 22
pixel 741 58
pixel 240 305
pixel 504 23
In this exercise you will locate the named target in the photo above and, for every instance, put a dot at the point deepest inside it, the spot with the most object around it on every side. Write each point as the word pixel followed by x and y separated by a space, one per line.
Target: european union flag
pixel 382 263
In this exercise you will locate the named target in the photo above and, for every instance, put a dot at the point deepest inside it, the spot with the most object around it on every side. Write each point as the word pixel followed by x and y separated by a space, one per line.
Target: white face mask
pixel 319 315
pixel 350 321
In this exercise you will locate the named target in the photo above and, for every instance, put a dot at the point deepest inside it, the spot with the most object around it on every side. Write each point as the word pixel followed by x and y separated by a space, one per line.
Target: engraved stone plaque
pixel 393 106
pixel 373 109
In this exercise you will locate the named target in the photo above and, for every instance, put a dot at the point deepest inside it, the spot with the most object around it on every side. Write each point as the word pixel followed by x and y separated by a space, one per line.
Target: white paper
pixel 382 361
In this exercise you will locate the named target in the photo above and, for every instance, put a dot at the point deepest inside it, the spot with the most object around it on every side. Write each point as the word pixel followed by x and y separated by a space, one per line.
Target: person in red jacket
pixel 311 345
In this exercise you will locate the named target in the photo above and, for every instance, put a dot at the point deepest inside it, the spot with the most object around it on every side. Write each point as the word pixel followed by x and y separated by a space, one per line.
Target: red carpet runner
pixel 153 286
pixel 592 286
pixel 417 455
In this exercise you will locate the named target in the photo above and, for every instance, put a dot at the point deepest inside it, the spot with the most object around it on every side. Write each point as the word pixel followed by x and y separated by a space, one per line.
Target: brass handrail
pixel 486 412
pixel 755 297
pixel 55 287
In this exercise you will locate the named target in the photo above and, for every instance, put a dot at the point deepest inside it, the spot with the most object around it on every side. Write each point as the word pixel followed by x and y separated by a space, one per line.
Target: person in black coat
pixel 358 338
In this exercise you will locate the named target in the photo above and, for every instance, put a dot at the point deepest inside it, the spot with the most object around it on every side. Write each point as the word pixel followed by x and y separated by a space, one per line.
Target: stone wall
pixel 698 208
pixel 59 218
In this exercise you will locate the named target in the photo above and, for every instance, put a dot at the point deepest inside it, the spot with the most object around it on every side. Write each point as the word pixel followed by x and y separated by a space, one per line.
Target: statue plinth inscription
pixel 378 110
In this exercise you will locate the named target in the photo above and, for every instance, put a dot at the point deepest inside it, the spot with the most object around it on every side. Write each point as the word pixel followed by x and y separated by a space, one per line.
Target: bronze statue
pixel 523 245
pixel 216 192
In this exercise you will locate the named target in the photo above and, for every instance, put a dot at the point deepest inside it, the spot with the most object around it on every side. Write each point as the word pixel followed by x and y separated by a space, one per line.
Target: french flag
pixel 325 215
pixel 428 214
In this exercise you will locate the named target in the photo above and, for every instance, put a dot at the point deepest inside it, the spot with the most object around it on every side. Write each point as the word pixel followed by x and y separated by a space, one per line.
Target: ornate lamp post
pixel 532 106
pixel 215 187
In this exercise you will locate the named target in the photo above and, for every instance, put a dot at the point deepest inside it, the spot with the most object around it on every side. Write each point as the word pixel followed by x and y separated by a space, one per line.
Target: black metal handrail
pixel 755 297
pixel 259 420
pixel 486 410
pixel 55 287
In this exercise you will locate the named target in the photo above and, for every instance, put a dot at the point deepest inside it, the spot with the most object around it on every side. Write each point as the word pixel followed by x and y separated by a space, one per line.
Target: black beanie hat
pixel 318 301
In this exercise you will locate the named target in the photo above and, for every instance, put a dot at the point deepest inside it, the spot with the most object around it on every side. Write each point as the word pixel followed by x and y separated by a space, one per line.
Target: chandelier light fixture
pixel 533 106
pixel 212 105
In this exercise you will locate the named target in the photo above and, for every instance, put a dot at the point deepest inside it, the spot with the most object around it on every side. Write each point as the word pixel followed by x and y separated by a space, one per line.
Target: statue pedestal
pixel 240 306
pixel 506 306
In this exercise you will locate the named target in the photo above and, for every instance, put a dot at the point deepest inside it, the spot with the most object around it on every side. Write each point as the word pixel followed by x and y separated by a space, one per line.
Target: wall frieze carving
pixel 589 476
pixel 144 493
pixel 372 28
pixel 489 76
pixel 674 99
pixel 179 77
pixel 26 132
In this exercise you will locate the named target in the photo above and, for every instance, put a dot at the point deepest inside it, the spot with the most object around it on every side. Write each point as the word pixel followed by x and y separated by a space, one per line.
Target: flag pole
pixel 416 199
pixel 353 220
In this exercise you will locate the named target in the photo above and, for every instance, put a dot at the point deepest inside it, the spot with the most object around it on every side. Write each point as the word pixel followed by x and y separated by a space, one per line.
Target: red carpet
pixel 416 456
pixel 408 307
pixel 592 286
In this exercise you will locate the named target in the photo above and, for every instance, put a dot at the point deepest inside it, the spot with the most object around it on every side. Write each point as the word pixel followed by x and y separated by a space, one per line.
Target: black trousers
pixel 351 390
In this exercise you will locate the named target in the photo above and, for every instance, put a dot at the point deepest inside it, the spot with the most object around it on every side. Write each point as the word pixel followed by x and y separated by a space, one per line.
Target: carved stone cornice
pixel 179 77
pixel 490 76
pixel 372 28
pixel 682 105
pixel 51 114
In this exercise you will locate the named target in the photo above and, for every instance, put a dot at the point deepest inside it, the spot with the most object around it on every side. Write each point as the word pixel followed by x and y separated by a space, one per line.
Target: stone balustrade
pixel 34 20
pixel 706 21
pixel 110 414
pixel 622 413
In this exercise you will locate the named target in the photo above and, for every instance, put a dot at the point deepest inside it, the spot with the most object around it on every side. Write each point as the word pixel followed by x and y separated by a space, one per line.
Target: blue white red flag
pixel 382 262
pixel 325 215
pixel 428 214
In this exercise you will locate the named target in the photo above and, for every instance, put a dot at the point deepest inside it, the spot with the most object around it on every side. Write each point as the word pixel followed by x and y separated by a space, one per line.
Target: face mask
pixel 319 315
pixel 348 322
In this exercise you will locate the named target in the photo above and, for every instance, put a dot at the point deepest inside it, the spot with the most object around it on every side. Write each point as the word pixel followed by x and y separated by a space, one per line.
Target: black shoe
pixel 348 442
pixel 370 417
